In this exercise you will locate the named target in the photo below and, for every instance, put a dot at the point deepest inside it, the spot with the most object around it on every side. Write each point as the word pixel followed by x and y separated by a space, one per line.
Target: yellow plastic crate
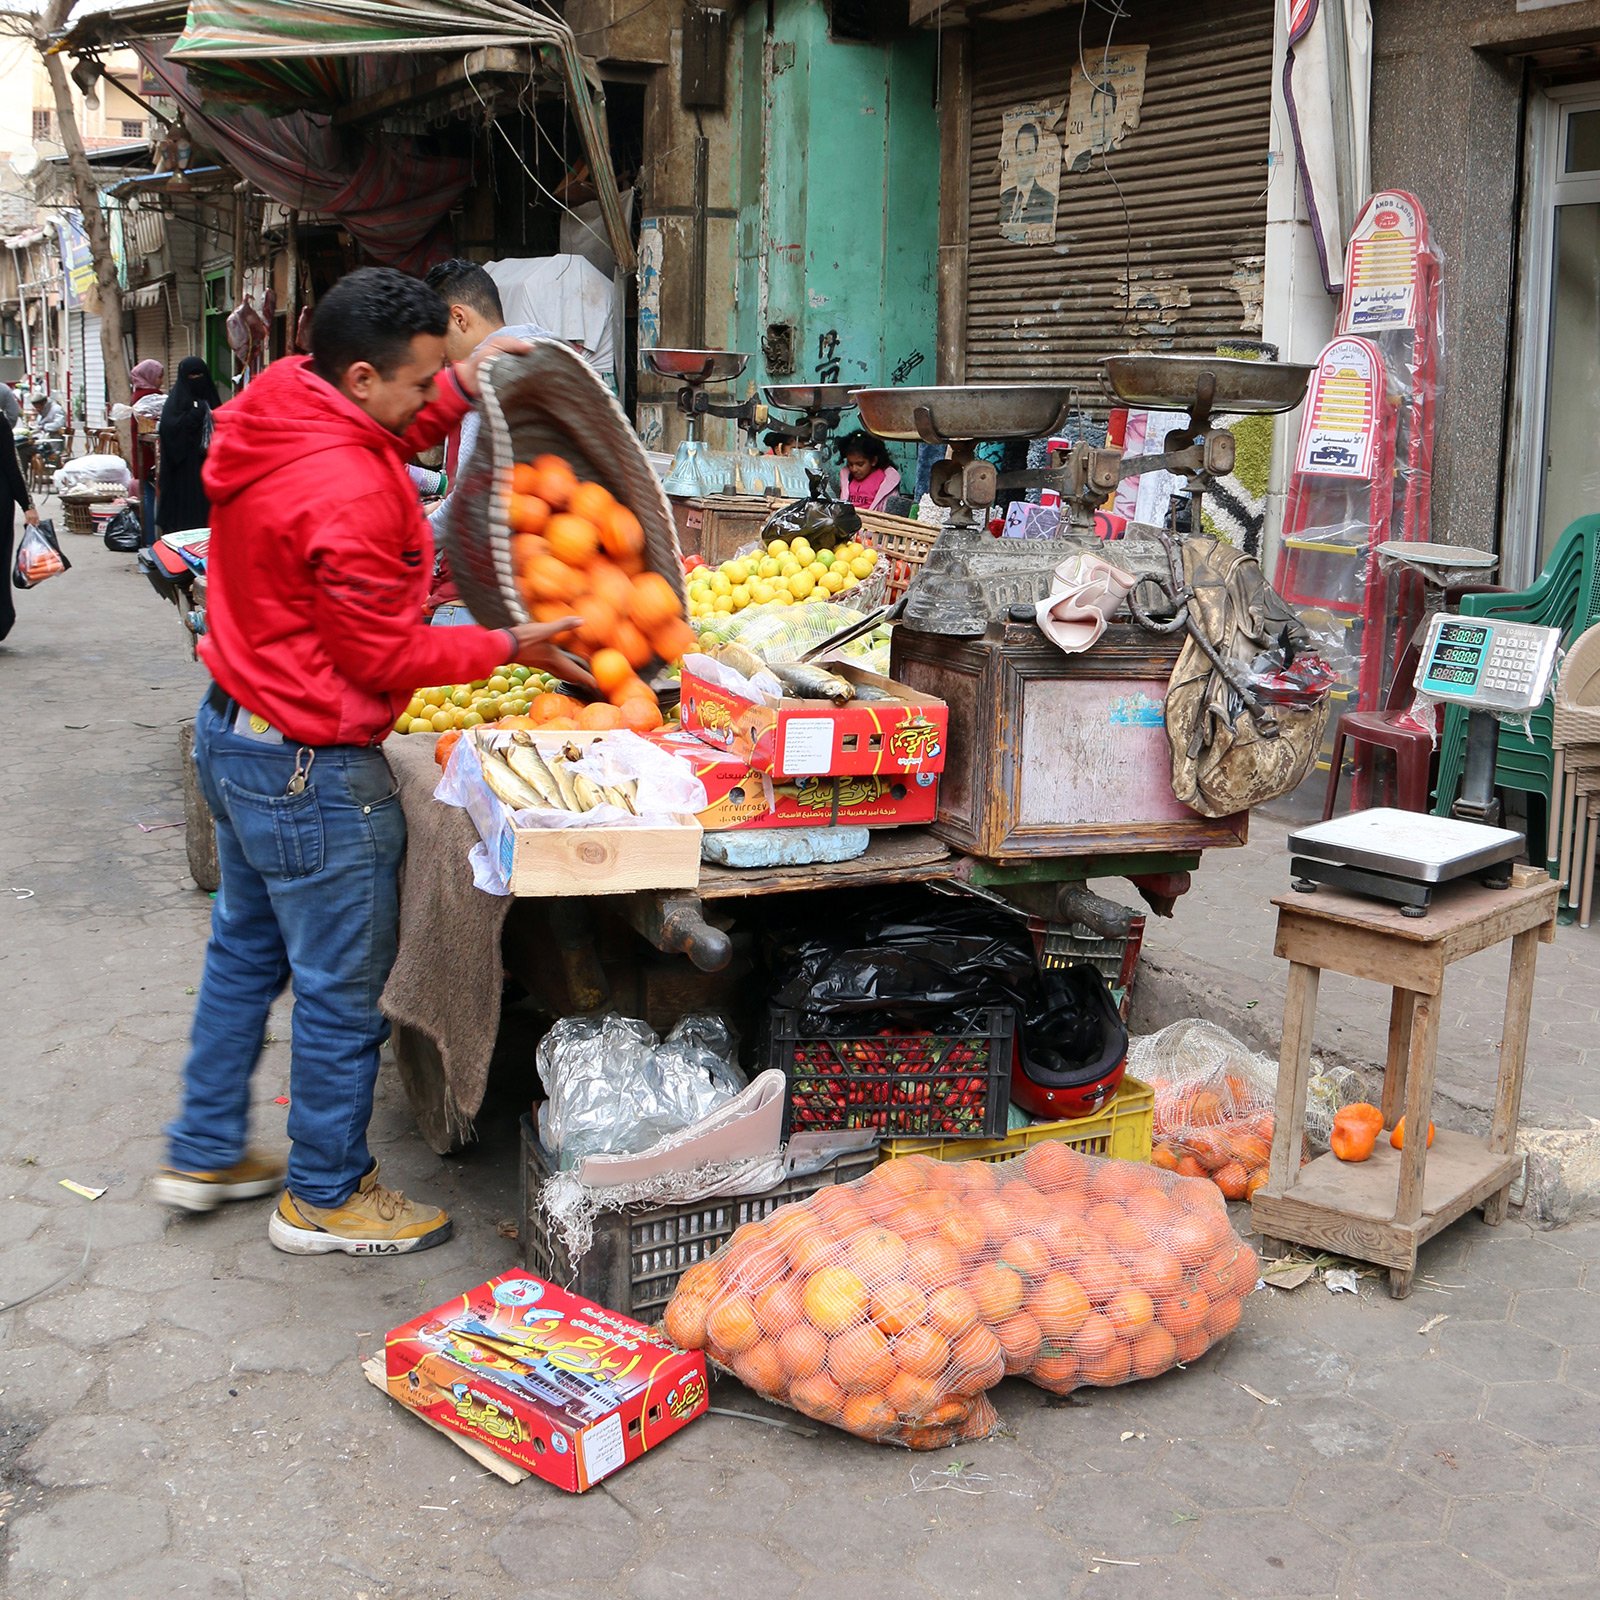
pixel 1121 1129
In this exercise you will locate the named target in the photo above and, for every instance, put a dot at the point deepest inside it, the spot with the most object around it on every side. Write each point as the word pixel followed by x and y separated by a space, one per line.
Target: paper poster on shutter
pixel 1338 434
pixel 1104 106
pixel 1382 288
pixel 1030 172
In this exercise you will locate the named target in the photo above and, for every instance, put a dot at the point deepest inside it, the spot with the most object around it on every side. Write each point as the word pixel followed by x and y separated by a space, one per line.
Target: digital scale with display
pixel 1495 669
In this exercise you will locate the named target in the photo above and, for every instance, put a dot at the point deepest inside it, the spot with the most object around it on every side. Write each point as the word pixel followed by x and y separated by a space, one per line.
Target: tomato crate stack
pixel 897 1083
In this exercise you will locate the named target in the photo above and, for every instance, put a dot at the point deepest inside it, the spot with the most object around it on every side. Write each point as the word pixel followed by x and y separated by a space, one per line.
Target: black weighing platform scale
pixel 1495 669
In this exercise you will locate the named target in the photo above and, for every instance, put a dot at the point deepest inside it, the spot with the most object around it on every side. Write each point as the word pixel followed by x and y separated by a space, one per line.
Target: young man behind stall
pixel 318 565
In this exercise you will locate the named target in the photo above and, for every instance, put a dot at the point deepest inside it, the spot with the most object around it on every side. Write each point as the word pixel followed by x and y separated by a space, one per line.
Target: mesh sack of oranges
pixel 1213 1105
pixel 888 1306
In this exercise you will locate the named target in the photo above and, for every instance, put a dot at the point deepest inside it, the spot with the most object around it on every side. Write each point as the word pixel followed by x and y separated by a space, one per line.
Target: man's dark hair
pixel 1028 127
pixel 465 283
pixel 372 315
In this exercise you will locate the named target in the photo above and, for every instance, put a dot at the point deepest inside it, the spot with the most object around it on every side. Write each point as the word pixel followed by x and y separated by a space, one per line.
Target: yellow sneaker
pixel 374 1221
pixel 247 1179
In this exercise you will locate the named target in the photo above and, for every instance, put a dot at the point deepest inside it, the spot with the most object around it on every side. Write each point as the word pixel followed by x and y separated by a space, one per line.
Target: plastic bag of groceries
pixel 38 557
pixel 888 1306
pixel 614 1087
pixel 821 519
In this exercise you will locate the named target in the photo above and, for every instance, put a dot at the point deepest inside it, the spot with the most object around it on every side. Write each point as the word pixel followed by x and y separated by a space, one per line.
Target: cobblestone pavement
pixel 183 1415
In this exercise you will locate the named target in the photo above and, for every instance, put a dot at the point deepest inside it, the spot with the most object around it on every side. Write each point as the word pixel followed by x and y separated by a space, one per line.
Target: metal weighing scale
pixel 969 579
pixel 693 370
pixel 1495 669
pixel 821 405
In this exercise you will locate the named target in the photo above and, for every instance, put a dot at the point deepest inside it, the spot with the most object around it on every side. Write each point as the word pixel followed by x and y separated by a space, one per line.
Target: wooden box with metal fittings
pixel 1052 753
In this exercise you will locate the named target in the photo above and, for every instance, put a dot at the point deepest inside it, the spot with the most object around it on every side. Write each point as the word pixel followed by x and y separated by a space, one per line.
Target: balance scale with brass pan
pixel 971 580
pixel 820 407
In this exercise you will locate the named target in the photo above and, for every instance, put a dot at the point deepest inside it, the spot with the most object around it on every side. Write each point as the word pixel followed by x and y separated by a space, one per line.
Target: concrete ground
pixel 181 1412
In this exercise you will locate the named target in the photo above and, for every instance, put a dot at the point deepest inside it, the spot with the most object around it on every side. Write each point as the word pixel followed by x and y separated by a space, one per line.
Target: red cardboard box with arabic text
pixel 559 1385
pixel 739 796
pixel 903 731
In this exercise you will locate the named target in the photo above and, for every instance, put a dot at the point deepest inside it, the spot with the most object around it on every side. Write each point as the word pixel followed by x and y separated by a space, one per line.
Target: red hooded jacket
pixel 320 560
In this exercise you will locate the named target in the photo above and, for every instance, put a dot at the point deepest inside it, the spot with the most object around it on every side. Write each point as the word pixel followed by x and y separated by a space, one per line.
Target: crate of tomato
pixel 897 1081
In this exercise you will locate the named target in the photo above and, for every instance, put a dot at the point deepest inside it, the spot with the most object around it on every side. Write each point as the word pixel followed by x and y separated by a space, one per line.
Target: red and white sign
pixel 1339 426
pixel 1380 288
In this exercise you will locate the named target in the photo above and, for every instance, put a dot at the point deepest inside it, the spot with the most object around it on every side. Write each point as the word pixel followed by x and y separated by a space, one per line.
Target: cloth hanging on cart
pixel 1225 759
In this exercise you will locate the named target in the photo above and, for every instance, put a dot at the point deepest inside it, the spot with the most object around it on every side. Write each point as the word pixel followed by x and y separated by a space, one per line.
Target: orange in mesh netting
pixel 889 1305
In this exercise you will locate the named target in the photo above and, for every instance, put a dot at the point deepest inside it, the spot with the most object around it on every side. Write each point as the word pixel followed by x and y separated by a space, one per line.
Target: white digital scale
pixel 1494 668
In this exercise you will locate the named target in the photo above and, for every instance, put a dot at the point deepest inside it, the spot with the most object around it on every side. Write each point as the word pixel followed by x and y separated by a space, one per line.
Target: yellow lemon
pixel 861 567
pixel 778 547
pixel 761 592
pixel 415 708
pixel 782 597
pixel 432 697
pixel 825 558
pixel 801 584
pixel 769 567
pixel 740 596
pixel 721 584
pixel 724 604
pixel 832 581
pixel 788 567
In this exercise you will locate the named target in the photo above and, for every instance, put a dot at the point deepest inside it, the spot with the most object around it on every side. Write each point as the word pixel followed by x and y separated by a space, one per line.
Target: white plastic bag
pixel 97 472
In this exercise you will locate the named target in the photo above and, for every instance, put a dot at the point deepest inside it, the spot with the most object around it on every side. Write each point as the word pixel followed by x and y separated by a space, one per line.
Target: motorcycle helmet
pixel 1071 1052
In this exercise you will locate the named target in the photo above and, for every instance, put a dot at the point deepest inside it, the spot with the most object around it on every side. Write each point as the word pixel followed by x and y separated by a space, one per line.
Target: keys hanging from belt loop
pixel 303 757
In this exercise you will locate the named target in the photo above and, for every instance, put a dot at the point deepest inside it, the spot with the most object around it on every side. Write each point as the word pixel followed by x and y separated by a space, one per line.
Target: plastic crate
pixel 929 1084
pixel 1071 944
pixel 640 1252
pixel 1122 1129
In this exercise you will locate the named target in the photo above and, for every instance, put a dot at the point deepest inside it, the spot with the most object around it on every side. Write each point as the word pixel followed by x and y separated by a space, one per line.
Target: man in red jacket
pixel 316 572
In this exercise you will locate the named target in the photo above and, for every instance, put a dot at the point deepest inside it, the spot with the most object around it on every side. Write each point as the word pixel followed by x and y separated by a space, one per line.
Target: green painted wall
pixel 838 202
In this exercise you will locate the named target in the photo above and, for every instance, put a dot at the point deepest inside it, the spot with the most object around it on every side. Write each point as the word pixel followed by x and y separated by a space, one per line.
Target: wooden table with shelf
pixel 1383 1209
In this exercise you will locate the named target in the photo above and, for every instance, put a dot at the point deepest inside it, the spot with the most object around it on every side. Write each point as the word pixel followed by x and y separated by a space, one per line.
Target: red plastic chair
pixel 1412 747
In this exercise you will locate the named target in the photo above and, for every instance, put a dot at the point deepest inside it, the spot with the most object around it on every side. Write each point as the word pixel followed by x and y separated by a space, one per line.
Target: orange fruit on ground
pixel 551 579
pixel 1250 1150
pixel 1246 1270
pixel 1191 1346
pixel 1165 1157
pixel 810 1252
pixel 1101 1275
pixel 818 1396
pixel 1116 1180
pixel 962 1234
pixel 859 1360
pixel 599 718
pixel 1020 1337
pixel 686 1319
pixel 553 480
pixel 835 1298
pixel 803 1350
pixel 1192 1239
pixel 528 513
pixel 898 1306
pixel 1130 1236
pixel 1256 1180
pixel 1154 1351
pixel 1052 1166
pixel 1113 1367
pixel 917 1221
pixel 1210 1147
pixel 868 1416
pixel 997 1290
pixel 591 500
pixel 977 1362
pixel 1231 1178
pixel 951 1411
pixel 779 1307
pixel 979 1179
pixel 1059 1305
pixel 876 1255
pixel 1130 1311
pixel 1205 1109
pixel 1182 1313
pixel 1223 1317
pixel 673 640
pixel 1103 1218
pixel 1188 1167
pixel 1057 1370
pixel 912 1396
pixel 640 715
pixel 655 601
pixel 953 1311
pixel 996 1218
pixel 610 668
pixel 524 478
pixel 621 535
pixel 731 1326
pixel 1095 1336
pixel 1158 1272
pixel 572 539
pixel 1027 1256
pixel 761 1368
pixel 922 1351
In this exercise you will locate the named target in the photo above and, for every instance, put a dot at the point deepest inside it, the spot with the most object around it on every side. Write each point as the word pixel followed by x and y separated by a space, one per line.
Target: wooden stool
pixel 1382 1209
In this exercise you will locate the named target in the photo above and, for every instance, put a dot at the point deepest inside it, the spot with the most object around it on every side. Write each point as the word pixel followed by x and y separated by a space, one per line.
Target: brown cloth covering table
pixel 1382 1209
pixel 444 992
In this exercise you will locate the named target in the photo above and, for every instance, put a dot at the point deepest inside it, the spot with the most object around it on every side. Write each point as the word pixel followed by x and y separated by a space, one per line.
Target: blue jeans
pixel 452 615
pixel 147 506
pixel 309 893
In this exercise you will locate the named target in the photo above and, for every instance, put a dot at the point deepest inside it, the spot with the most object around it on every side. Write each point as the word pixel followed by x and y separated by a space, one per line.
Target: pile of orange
pixel 577 552
pixel 888 1306
pixel 1223 1133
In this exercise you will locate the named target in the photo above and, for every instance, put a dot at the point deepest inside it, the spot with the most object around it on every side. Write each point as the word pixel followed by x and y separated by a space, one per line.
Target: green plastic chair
pixel 1566 596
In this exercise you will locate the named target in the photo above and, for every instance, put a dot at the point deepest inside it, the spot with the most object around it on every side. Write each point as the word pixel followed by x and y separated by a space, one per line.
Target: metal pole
pixel 697 263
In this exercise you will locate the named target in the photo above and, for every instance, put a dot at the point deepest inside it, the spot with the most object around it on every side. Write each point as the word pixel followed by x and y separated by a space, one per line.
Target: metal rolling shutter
pixel 1193 175
pixel 150 335
pixel 94 373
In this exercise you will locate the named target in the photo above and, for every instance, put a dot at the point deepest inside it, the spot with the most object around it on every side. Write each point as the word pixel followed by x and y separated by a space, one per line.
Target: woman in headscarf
pixel 146 379
pixel 13 493
pixel 184 434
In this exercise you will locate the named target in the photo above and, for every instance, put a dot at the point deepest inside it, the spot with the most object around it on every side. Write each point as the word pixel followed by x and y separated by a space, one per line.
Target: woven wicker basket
pixel 548 402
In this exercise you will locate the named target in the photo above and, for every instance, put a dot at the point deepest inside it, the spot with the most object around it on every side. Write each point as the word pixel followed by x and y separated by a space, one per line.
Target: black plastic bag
pixel 38 557
pixel 820 519
pixel 125 531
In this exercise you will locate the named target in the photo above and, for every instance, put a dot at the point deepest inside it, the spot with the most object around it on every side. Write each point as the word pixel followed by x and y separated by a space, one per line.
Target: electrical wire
pixel 1117 12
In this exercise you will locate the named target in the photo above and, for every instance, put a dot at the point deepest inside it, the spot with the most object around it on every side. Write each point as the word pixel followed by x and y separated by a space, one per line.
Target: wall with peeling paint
pixel 838 202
